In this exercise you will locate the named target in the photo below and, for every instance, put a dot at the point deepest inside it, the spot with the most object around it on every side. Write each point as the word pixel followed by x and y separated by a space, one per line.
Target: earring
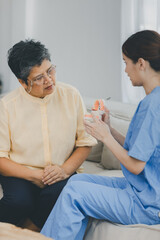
pixel 30 88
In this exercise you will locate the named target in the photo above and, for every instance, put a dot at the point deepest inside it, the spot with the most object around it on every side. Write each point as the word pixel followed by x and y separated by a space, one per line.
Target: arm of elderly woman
pixel 50 174
pixel 101 131
pixel 13 169
pixel 54 173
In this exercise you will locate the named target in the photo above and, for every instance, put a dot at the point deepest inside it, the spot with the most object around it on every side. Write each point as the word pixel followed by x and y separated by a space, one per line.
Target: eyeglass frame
pixel 42 76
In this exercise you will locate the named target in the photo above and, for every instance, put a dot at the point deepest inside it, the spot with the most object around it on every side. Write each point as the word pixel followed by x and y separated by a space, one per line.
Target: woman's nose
pixel 47 78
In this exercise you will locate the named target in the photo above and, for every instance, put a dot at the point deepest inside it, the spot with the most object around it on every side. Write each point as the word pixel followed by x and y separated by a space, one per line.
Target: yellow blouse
pixel 36 132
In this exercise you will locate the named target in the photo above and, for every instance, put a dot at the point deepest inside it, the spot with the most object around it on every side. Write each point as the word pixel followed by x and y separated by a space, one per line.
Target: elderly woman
pixel 42 137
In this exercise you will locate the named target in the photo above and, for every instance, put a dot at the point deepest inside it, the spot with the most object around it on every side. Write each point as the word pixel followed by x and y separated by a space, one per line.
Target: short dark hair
pixel 24 55
pixel 144 44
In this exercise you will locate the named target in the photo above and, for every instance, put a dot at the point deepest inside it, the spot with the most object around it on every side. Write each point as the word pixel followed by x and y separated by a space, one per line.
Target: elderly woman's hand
pixel 53 173
pixel 98 129
pixel 36 177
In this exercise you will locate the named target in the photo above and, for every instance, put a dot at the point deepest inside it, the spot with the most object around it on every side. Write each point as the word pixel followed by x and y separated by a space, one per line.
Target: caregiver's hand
pixel 98 129
pixel 106 116
pixel 53 173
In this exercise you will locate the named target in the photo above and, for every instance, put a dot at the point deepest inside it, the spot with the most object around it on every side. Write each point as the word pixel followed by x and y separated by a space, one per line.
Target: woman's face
pixel 41 80
pixel 132 70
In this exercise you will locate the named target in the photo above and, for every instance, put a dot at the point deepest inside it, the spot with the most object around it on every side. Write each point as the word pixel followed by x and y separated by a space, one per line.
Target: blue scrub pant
pixel 94 196
pixel 22 199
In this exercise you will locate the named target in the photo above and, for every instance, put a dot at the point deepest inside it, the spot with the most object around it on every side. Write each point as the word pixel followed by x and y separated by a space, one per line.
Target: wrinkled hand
pixel 37 178
pixel 98 129
pixel 106 116
pixel 53 173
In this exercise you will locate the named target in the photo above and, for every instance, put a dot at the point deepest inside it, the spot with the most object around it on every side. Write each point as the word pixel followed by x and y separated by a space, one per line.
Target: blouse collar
pixel 37 99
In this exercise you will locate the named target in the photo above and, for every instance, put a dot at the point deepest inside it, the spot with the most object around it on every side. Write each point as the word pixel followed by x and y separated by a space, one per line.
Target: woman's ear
pixel 142 64
pixel 23 83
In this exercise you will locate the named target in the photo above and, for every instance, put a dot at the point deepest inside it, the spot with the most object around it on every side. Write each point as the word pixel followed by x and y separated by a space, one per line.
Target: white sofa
pixel 102 162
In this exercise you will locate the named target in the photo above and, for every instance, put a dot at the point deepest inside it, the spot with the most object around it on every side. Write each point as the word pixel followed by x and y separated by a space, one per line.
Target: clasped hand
pixel 53 173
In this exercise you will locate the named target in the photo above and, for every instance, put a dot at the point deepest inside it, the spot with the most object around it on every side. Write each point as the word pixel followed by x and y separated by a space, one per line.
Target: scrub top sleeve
pixel 146 136
pixel 4 132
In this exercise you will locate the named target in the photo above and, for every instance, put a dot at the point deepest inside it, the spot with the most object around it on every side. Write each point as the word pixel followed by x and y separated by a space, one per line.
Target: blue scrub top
pixel 143 143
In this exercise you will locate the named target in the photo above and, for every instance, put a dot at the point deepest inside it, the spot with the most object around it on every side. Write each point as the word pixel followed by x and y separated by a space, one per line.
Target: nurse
pixel 134 198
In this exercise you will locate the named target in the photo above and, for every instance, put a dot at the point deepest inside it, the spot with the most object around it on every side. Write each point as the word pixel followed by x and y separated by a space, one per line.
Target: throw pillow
pixel 108 160
pixel 96 152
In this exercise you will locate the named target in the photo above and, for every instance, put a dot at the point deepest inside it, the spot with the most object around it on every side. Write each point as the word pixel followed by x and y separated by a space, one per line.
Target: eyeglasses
pixel 42 79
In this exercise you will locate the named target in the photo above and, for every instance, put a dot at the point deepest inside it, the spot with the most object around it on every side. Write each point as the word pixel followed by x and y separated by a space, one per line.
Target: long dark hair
pixel 144 44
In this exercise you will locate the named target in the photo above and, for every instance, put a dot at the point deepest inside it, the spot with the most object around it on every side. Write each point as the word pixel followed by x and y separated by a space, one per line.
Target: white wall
pixel 83 37
pixel 5 35
pixel 12 30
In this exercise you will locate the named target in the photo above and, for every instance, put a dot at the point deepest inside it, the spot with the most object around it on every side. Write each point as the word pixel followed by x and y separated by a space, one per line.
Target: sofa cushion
pixel 108 160
pixel 96 168
pixel 120 117
pixel 100 229
pixel 121 110
pixel 96 152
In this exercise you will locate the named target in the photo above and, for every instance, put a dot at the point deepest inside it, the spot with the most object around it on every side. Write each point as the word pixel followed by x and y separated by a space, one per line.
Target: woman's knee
pixel 78 177
pixel 74 189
